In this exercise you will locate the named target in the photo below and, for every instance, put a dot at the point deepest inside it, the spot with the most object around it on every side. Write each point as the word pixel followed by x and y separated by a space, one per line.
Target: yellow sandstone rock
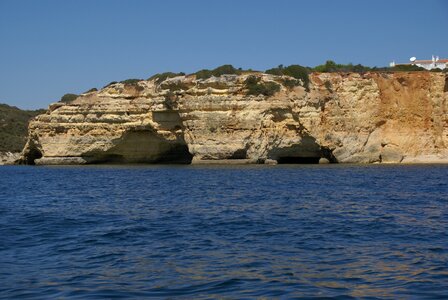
pixel 344 117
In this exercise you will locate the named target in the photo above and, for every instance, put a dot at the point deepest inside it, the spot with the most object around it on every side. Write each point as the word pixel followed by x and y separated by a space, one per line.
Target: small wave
pixel 225 233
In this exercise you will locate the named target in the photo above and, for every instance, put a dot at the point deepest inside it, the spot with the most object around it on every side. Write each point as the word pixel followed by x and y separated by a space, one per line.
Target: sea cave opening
pixel 32 155
pixel 143 147
pixel 177 154
pixel 109 159
pixel 298 160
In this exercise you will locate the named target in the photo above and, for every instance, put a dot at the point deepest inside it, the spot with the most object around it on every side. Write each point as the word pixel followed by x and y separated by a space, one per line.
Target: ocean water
pixel 236 232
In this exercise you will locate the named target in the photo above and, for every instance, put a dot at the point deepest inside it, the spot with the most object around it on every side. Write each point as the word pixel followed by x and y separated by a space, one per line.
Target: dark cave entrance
pixel 298 160
pixel 33 153
pixel 106 159
pixel 239 154
pixel 307 152
pixel 320 155
pixel 178 154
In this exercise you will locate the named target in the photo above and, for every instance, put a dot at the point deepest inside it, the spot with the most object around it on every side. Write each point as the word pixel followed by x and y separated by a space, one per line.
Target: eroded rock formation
pixel 9 158
pixel 343 117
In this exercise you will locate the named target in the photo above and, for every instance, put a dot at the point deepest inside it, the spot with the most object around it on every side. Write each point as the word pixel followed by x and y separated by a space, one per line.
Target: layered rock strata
pixel 341 117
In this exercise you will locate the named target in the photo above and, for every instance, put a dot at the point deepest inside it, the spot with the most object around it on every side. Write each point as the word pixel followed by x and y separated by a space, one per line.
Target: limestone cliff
pixel 343 117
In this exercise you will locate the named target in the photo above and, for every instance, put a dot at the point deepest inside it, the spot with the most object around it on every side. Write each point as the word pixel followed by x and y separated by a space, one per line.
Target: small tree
pixel 91 90
pixel 163 76
pixel 221 70
pixel 67 98
pixel 296 71
pixel 132 81
pixel 224 69
pixel 254 87
pixel 275 71
pixel 203 74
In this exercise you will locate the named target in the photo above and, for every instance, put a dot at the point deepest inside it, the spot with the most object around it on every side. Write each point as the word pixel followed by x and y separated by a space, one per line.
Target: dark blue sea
pixel 235 232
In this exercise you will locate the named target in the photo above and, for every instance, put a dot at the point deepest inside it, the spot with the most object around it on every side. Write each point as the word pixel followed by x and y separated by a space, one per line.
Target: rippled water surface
pixel 224 232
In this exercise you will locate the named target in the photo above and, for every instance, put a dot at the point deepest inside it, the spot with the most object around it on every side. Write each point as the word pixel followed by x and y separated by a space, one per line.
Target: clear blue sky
pixel 52 47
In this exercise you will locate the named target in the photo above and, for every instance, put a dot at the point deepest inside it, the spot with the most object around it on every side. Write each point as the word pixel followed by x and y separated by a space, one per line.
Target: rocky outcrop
pixel 9 158
pixel 342 117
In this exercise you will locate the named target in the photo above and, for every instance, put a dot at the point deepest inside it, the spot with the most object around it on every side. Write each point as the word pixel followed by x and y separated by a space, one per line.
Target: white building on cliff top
pixel 434 63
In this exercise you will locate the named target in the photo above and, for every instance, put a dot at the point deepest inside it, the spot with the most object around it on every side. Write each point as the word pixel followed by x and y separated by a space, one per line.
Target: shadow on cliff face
pixel 143 147
pixel 307 152
pixel 178 154
pixel 298 160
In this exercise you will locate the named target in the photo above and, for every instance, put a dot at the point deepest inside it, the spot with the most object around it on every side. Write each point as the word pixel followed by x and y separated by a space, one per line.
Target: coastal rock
pixel 342 117
pixel 9 158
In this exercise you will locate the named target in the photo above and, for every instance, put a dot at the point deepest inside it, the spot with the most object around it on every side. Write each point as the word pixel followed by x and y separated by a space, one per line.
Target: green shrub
pixel 222 70
pixel 203 74
pixel 290 83
pixel 67 98
pixel 162 76
pixel 251 80
pixel 225 69
pixel 331 66
pixel 404 68
pixel 132 81
pixel 407 68
pixel 275 71
pixel 255 87
pixel 360 68
pixel 110 83
pixel 296 71
pixel 91 90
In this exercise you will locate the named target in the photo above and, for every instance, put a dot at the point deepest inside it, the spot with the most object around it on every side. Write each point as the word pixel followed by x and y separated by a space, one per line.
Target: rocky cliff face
pixel 343 117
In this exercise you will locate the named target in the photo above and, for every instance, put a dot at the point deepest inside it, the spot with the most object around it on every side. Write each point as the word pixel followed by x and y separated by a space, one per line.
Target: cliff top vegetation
pixel 14 127
pixel 298 72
